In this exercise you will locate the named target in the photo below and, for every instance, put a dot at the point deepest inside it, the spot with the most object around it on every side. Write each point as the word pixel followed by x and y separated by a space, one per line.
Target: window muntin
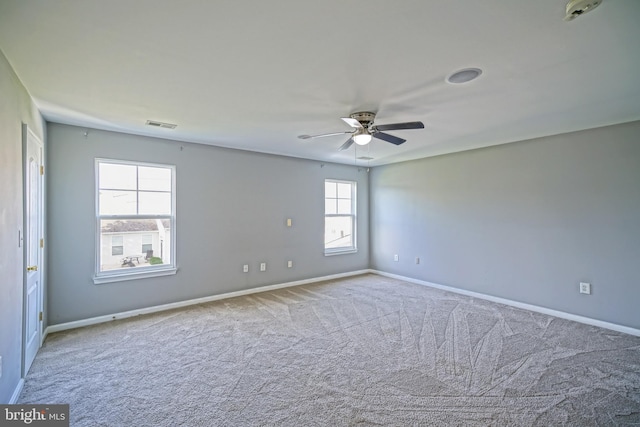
pixel 135 212
pixel 340 216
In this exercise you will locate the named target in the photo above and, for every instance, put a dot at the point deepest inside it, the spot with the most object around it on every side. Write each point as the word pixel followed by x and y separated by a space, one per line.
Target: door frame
pixel 27 134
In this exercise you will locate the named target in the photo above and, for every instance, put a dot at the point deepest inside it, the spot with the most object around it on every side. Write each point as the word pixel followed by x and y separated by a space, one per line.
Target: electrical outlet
pixel 245 268
pixel 585 288
pixel 417 260
pixel 263 266
pixel 395 257
pixel 289 264
pixel 288 222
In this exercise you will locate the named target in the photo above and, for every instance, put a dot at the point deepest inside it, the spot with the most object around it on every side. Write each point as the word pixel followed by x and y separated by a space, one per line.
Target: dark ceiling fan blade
pixel 346 145
pixel 352 122
pixel 389 138
pixel 322 135
pixel 398 126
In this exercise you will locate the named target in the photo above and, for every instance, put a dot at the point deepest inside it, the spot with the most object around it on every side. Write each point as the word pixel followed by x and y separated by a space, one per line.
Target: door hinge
pixel 42 243
pixel 41 170
pixel 41 316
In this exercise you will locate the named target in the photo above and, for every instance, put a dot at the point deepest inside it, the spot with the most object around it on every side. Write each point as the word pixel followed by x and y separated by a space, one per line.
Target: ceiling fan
pixel 364 130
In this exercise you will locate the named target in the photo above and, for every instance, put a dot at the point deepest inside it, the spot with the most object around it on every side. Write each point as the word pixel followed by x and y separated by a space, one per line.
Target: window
pixel 135 219
pixel 147 243
pixel 339 216
pixel 116 245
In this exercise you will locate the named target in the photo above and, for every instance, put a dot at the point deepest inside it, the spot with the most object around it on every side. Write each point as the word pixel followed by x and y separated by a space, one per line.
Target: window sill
pixel 98 280
pixel 340 252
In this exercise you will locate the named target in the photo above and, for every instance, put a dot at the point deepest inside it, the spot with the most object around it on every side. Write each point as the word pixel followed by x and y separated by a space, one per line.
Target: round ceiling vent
pixel 465 75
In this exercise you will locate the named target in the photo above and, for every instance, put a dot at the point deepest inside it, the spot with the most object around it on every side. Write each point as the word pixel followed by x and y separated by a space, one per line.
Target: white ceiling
pixel 255 74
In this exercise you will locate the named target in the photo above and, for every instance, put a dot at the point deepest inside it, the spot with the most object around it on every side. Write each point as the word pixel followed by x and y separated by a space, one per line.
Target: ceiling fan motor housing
pixel 576 8
pixel 364 117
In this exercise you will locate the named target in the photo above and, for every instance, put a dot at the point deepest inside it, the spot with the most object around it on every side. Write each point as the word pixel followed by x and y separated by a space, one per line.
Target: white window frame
pixel 354 222
pixel 120 275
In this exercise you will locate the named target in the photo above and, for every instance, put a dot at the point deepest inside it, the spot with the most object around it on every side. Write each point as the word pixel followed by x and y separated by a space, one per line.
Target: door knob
pixel 32 268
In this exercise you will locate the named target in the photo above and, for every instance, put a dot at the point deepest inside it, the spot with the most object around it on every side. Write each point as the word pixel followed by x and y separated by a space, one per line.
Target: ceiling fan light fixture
pixel 362 138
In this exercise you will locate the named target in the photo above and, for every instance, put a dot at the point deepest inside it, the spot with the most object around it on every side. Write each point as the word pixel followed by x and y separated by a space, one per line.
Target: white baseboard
pixel 170 306
pixel 530 307
pixel 16 392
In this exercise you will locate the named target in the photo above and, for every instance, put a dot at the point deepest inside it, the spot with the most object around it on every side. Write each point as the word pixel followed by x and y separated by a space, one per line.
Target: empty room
pixel 420 212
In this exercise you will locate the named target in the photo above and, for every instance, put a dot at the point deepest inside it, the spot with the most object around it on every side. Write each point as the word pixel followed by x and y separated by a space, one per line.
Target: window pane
pixel 338 232
pixel 344 190
pixel 155 203
pixel 329 189
pixel 344 206
pixel 117 202
pixel 118 177
pixel 156 179
pixel 330 206
pixel 131 251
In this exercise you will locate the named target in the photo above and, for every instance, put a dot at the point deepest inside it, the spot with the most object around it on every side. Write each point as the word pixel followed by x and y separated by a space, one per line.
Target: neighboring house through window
pixel 135 217
pixel 339 216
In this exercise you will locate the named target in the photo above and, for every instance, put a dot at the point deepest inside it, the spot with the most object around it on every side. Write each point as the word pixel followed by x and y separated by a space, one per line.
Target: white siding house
pixel 124 244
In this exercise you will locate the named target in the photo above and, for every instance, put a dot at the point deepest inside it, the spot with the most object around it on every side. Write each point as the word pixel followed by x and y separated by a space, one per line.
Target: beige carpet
pixel 367 350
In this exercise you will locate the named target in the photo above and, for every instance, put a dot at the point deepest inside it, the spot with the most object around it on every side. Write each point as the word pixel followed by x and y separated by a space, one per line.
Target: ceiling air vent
pixel 160 124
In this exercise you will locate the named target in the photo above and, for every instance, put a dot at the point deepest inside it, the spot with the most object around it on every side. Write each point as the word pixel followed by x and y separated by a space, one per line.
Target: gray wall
pixel 232 208
pixel 525 221
pixel 16 107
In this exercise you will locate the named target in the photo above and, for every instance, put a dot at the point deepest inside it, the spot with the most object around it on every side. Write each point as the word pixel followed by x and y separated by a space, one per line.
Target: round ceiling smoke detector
pixel 576 8
pixel 465 75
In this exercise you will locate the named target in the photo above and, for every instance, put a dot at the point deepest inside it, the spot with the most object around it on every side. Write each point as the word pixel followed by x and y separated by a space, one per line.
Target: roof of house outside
pixel 122 226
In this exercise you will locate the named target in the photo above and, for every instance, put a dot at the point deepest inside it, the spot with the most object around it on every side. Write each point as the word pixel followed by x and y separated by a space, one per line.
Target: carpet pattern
pixel 365 350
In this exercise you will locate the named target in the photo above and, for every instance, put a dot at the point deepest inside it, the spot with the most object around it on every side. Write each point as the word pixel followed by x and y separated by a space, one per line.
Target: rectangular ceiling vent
pixel 161 124
pixel 365 158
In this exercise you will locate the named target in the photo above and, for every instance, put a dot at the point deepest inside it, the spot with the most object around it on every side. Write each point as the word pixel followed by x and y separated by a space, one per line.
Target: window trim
pixel 354 218
pixel 120 275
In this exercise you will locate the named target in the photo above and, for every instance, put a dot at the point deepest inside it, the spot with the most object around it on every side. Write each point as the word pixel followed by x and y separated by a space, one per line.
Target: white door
pixel 33 215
